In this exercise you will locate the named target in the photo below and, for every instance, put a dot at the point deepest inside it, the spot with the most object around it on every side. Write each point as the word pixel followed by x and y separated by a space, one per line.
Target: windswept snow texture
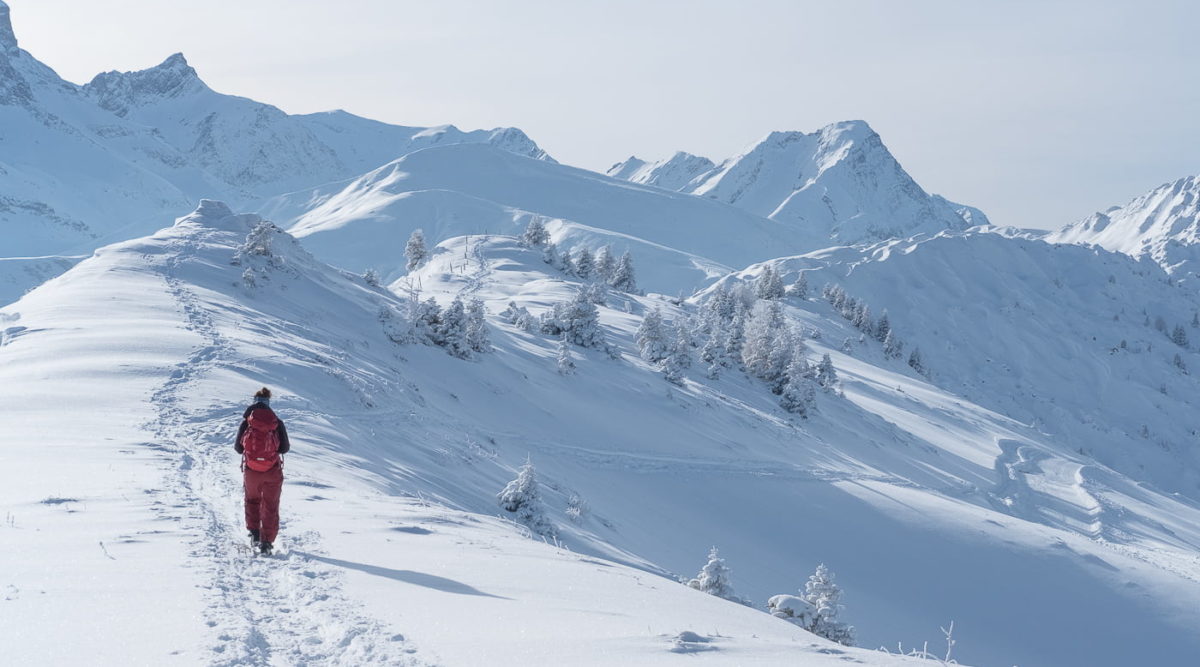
pixel 1163 224
pixel 840 184
pixel 389 553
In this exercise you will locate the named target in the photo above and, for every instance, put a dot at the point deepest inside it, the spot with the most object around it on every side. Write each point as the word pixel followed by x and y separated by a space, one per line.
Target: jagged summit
pixel 117 91
pixel 674 173
pixel 1163 224
pixel 839 183
pixel 8 39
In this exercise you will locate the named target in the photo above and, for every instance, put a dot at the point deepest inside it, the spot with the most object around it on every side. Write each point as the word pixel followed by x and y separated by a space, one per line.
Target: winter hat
pixel 263 396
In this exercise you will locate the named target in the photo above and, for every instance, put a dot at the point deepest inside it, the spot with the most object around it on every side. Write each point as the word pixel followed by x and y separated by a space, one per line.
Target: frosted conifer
pixel 916 362
pixel 535 233
pixel 714 579
pixel 523 498
pixel 679 359
pixel 623 277
pixel 583 263
pixel 824 596
pixel 826 373
pixel 768 285
pixel 451 332
pixel 651 337
pixel 799 289
pixel 566 365
pixel 478 337
pixel 604 265
pixel 415 250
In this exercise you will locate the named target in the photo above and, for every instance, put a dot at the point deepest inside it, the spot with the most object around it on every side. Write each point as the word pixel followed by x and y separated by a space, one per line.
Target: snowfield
pixel 393 550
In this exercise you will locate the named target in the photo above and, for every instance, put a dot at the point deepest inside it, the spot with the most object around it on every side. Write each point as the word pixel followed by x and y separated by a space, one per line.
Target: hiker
pixel 261 439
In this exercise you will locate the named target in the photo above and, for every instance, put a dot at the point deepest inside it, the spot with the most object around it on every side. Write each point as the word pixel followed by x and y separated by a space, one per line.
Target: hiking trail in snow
pixel 286 609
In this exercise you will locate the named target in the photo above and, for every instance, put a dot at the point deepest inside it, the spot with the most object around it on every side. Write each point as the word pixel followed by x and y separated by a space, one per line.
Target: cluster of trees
pixel 735 328
pixel 575 322
pixel 769 285
pixel 461 328
pixel 599 267
pixel 815 609
pixel 859 314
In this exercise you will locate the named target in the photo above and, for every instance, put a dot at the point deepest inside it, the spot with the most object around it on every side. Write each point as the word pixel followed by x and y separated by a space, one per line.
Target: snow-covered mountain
pixel 839 183
pixel 1163 224
pixel 86 165
pixel 681 242
pixel 391 551
pixel 924 497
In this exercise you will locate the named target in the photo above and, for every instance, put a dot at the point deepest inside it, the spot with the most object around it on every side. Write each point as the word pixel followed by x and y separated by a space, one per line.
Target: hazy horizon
pixel 1037 113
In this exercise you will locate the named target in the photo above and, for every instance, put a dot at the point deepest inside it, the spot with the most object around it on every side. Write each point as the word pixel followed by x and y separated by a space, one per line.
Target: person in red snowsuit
pixel 261 439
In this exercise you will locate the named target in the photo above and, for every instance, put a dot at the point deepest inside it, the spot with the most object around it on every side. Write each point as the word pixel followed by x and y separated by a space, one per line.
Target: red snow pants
pixel 262 501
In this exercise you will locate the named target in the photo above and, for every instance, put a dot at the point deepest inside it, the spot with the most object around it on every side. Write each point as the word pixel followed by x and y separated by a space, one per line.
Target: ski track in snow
pixel 287 609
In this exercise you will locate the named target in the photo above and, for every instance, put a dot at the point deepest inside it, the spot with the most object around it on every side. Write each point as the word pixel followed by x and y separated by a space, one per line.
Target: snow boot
pixel 254 539
pixel 265 548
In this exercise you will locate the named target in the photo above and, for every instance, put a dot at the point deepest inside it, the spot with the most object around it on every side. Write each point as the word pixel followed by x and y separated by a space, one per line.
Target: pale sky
pixel 1038 112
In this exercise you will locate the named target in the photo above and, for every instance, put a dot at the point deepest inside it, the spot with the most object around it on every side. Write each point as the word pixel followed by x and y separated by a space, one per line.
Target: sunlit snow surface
pixel 928 506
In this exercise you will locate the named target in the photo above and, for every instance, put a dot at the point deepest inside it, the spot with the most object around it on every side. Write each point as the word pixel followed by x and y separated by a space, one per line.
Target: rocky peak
pixel 116 91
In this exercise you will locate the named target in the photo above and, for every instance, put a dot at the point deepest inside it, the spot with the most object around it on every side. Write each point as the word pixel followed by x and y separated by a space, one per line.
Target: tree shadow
pixel 407 576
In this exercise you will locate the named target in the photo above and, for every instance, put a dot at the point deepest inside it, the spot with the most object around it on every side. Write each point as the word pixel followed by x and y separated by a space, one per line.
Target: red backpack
pixel 260 442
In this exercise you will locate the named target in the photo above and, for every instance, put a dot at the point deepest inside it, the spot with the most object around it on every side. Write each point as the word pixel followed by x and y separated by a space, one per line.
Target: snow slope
pixel 839 183
pixel 389 552
pixel 680 242
pixel 1163 224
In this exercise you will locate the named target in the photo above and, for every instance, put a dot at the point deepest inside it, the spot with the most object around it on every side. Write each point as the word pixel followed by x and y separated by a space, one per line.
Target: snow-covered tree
pixel 371 277
pixel 735 337
pixel 451 333
pixel 786 346
pixel 883 327
pixel 652 338
pixel 762 329
pixel 583 263
pixel 566 365
pixel 825 598
pixel 426 317
pixel 478 337
pixel 580 319
pixel 768 285
pixel 415 250
pixel 623 276
pixel 550 254
pixel 535 233
pixel 597 293
pixel 604 264
pixel 565 263
pixel 798 395
pixel 916 362
pixel 799 289
pixel 679 358
pixel 714 579
pixel 862 319
pixel 892 346
pixel 522 497
pixel 713 351
pixel 826 373
pixel 1179 336
pixel 258 241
